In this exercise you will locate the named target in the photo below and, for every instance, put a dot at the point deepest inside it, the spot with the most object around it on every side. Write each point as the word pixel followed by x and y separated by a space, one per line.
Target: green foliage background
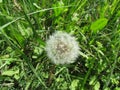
pixel 25 25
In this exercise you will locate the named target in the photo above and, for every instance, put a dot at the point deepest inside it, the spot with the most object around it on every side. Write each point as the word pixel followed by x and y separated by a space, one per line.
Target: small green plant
pixel 35 32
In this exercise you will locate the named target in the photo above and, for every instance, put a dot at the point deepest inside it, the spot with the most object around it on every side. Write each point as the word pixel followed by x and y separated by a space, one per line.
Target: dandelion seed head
pixel 62 48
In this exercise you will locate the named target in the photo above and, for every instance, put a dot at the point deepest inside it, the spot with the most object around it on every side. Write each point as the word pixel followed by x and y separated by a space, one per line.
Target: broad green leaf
pixel 107 88
pixel 16 76
pixel 117 88
pixel 98 25
pixel 94 83
pixel 74 84
pixel 92 80
pixel 97 86
pixel 10 72
pixel 1 1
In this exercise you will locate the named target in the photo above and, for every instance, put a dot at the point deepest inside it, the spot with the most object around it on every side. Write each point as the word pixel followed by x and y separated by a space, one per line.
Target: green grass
pixel 25 25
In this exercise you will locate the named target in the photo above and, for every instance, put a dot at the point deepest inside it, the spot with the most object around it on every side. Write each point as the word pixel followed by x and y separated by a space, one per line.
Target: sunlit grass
pixel 26 25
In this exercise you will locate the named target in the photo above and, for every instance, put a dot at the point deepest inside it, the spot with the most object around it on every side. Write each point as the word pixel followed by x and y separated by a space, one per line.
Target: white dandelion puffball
pixel 62 48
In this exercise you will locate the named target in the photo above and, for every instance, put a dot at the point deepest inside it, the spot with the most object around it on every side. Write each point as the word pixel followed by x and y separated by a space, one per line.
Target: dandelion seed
pixel 62 48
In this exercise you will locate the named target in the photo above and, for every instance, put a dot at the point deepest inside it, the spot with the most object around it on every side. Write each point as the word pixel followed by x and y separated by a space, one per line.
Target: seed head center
pixel 62 47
